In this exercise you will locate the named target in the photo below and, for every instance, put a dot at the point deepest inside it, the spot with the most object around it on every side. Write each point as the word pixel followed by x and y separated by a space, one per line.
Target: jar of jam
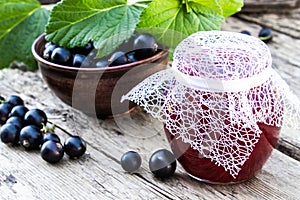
pixel 221 103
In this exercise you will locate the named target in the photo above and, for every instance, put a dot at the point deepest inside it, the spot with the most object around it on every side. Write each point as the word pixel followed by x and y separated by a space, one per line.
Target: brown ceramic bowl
pixel 96 91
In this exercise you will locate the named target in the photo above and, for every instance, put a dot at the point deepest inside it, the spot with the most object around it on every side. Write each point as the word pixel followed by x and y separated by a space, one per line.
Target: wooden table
pixel 98 174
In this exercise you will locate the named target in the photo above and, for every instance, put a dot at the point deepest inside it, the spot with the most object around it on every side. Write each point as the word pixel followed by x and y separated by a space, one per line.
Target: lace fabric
pixel 220 86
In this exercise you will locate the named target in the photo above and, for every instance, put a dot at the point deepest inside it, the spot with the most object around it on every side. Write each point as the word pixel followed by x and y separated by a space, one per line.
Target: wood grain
pixel 98 174
pixel 274 6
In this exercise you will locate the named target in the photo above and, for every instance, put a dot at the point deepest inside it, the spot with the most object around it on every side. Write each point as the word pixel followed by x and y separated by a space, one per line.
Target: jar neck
pixel 218 85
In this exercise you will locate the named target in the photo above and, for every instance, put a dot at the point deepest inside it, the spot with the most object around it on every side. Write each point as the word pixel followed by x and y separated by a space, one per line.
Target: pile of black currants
pixel 28 128
pixel 162 163
pixel 138 47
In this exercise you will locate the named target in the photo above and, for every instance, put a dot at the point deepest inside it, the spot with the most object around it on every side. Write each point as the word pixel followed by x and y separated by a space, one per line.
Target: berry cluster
pixel 265 34
pixel 162 163
pixel 27 127
pixel 138 47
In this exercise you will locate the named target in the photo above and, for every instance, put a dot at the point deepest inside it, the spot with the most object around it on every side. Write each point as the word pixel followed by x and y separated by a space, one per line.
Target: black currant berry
pixel 78 59
pixel 162 163
pixel 102 64
pixel 10 134
pixel 2 99
pixel 74 147
pixel 18 121
pixel 49 47
pixel 50 136
pixel 118 58
pixel 245 32
pixel 5 109
pixel 145 46
pixel 31 137
pixel 35 117
pixel 52 152
pixel 265 34
pixel 127 45
pixel 48 43
pixel 90 60
pixel 18 111
pixel 83 50
pixel 88 48
pixel 131 57
pixel 15 100
pixel 131 161
pixel 61 56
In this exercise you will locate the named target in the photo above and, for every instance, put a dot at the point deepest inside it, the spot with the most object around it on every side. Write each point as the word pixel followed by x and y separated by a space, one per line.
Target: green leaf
pixel 107 23
pixel 231 7
pixel 212 5
pixel 170 22
pixel 21 22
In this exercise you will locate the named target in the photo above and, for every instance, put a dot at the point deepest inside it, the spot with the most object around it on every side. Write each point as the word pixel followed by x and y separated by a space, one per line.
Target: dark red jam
pixel 206 170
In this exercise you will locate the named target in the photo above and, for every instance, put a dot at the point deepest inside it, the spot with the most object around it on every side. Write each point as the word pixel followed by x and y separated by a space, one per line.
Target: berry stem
pixel 62 129
pixel 46 129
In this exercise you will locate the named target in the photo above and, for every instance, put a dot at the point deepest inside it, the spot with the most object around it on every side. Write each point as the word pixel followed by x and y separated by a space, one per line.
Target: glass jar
pixel 225 76
pixel 221 103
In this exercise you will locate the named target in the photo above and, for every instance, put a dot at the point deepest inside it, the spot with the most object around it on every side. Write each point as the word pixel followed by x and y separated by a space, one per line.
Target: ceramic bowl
pixel 96 91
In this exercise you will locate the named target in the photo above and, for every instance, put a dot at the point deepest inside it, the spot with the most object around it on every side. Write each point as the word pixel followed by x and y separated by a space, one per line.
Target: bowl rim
pixel 106 69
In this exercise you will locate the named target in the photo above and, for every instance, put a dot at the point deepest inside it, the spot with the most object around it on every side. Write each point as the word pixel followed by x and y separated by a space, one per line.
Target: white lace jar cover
pixel 220 84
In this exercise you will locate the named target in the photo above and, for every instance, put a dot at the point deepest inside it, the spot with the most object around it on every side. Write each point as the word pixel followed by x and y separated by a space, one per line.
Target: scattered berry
pixel 131 161
pixel 162 163
pixel 265 34
pixel 74 147
pixel 245 32
pixel 52 151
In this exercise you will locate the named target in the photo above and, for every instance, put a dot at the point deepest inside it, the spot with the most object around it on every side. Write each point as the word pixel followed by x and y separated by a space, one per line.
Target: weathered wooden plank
pixel 286 23
pixel 288 148
pixel 99 175
pixel 263 6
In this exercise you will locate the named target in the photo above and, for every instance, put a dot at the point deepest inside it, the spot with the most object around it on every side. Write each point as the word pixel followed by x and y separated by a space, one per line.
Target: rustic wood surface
pixel 98 174
pixel 270 6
